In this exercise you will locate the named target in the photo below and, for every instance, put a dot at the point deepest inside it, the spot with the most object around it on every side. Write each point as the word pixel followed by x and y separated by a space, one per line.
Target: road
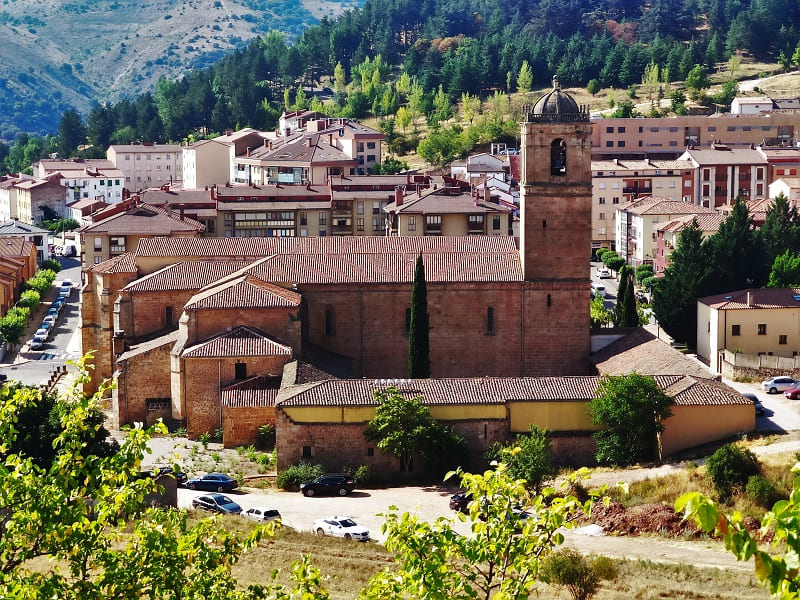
pixel 611 284
pixel 34 367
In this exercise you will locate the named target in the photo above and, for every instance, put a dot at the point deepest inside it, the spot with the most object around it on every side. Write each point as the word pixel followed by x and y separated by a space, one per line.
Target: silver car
pixel 778 384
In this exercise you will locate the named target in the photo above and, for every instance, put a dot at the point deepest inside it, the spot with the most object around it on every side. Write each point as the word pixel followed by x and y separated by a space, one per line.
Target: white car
pixel 341 527
pixel 598 290
pixel 603 273
pixel 262 513
pixel 778 384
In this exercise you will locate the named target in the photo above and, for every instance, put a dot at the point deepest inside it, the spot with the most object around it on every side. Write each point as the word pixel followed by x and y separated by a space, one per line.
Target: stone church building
pixel 198 331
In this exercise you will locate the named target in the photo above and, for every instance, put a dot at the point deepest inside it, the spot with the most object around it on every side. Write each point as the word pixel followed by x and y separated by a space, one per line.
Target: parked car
pixel 69 250
pixel 330 483
pixel 3 377
pixel 179 476
pixel 757 403
pixel 217 503
pixel 66 283
pixel 341 527
pixel 262 513
pixel 218 482
pixel 58 303
pixel 42 332
pixel 49 318
pixel 778 384
pixel 793 393
pixel 37 343
pixel 604 273
pixel 64 291
pixel 598 290
pixel 460 502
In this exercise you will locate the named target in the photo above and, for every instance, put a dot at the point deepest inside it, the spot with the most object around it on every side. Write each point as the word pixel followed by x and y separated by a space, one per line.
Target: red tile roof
pixel 240 341
pixel 124 263
pixel 364 259
pixel 188 275
pixel 754 298
pixel 144 219
pixel 256 391
pixel 168 339
pixel 655 205
pixel 243 291
pixel 13 246
pixel 488 390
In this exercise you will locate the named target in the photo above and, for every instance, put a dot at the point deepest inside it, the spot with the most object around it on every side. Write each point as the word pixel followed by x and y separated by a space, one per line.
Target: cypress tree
pixel 419 366
pixel 630 317
pixel 624 283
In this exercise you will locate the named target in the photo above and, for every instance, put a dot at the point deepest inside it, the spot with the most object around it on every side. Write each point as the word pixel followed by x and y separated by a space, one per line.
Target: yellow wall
pixel 779 321
pixel 691 426
pixel 454 224
pixel 553 416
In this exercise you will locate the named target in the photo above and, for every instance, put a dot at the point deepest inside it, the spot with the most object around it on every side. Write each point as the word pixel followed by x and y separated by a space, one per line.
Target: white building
pixel 205 163
pixel 147 165
pixel 97 179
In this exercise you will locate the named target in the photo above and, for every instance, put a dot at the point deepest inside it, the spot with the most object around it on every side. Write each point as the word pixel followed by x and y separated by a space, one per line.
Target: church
pixel 200 331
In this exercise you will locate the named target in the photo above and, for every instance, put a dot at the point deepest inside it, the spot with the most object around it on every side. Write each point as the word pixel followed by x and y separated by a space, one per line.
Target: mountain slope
pixel 57 54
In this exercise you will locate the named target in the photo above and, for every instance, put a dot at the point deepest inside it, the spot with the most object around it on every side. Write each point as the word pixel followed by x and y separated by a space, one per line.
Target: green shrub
pixel 364 475
pixel 571 569
pixel 266 436
pixel 291 478
pixel 29 299
pixel 600 252
pixel 52 265
pixel 729 468
pixel 643 272
pixel 761 491
pixel 205 437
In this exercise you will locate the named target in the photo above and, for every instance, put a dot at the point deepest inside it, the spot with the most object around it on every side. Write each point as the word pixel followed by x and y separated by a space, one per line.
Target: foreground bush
pixel 291 478
pixel 729 468
pixel 51 264
pixel 29 299
pixel 575 572
pixel 761 490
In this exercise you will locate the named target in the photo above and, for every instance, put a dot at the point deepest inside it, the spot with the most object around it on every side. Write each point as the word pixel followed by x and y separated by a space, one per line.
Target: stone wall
pixel 738 366
pixel 240 425
pixel 142 378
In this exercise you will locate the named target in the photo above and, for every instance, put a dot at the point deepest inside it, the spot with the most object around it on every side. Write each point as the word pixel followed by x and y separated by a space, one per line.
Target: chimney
pixel 270 145
pixel 750 300
pixel 330 139
pixel 182 216
pixel 309 142
pixel 487 194
pixel 266 143
pixel 398 196
pixel 248 152
pixel 286 132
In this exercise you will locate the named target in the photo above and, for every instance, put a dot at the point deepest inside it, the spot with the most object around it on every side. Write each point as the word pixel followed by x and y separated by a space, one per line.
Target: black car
pixel 214 482
pixel 218 503
pixel 179 476
pixel 756 403
pixel 330 483
pixel 460 502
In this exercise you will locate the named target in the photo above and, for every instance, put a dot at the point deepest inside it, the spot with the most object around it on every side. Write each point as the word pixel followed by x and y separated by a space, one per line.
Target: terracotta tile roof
pixel 359 392
pixel 240 341
pixel 146 148
pixel 13 246
pixel 654 205
pixel 706 222
pixel 304 148
pixel 124 263
pixel 755 298
pixel 341 259
pixel 624 164
pixel 176 196
pixel 444 201
pixel 256 391
pixel 641 351
pixel 721 155
pixel 147 220
pixel 188 275
pixel 244 291
pixel 168 339
pixel 272 192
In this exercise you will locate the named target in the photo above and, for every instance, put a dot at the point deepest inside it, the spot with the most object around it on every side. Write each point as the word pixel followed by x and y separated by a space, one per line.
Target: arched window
pixel 330 321
pixel 490 320
pixel 168 316
pixel 558 157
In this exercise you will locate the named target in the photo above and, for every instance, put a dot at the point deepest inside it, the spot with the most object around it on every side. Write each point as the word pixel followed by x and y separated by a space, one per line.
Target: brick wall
pixel 240 425
pixel 279 323
pixel 144 376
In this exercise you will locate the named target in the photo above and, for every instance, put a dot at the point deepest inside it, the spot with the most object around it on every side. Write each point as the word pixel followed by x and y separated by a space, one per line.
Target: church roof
pixel 256 391
pixel 354 259
pixel 240 341
pixel 243 291
pixel 188 275
pixel 556 105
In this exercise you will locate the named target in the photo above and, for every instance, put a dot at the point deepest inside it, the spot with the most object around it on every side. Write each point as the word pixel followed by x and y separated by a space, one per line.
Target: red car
pixel 793 393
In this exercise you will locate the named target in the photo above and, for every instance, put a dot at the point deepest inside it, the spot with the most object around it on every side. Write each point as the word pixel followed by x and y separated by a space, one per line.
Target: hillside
pixel 57 54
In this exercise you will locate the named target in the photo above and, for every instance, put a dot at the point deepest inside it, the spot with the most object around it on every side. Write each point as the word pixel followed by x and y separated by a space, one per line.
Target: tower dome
pixel 556 105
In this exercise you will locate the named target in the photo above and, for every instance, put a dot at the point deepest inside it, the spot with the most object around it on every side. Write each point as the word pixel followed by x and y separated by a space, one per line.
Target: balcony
pixel 637 190
pixel 341 210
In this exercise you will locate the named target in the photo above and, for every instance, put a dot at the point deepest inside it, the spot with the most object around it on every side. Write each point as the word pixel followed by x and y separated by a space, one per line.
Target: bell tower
pixel 556 189
pixel 555 235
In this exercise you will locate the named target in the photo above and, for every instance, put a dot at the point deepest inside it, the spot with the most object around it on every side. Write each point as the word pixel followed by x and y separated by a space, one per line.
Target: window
pixel 330 321
pixel 168 316
pixel 370 145
pixel 303 218
pixel 609 130
pixel 615 200
pixel 609 144
pixel 620 130
pixel 307 453
pixel 98 244
pixel 323 218
pixel 98 260
pixel 558 157
pixel 602 216
pixel 360 207
pixel 360 147
pixel 621 144
pixel 496 222
pixel 762 329
pixel 376 208
pixel 601 200
pixel 736 330
pixel 490 320
pixel 782 339
pixel 370 158
pixel 412 223
pixel 360 224
pixel 370 451
pixel 240 370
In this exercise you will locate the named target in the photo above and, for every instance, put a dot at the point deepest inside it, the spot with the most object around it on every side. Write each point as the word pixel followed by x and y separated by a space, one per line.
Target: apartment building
pixel 789 187
pixel 147 165
pixel 782 161
pixel 480 166
pixel 448 211
pixel 722 174
pixel 638 221
pixel 38 200
pixel 619 181
pixel 206 163
pixel 668 231
pixel 669 137
pixel 97 179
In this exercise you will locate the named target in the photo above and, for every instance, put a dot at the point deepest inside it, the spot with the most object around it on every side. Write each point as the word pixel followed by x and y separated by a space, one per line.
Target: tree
pixel 651 82
pixel 470 106
pixel 599 315
pixel 87 515
pixel 442 106
pixel 785 271
pixel 527 457
pixel 781 229
pixel 697 81
pixel 784 61
pixel 403 117
pixel 404 427
pixel 500 559
pixel 613 261
pixel 629 316
pixel 631 409
pixel 525 78
pixel 776 569
pixel 736 253
pixel 593 86
pixel 71 133
pixel 625 283
pixel 419 366
pixel 685 280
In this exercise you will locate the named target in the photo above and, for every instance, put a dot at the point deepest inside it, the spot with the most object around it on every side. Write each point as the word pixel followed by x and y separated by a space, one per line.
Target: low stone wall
pixel 738 366
pixel 240 425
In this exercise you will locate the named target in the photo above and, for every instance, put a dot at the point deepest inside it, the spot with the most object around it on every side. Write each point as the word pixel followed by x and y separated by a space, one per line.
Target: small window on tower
pixel 558 157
